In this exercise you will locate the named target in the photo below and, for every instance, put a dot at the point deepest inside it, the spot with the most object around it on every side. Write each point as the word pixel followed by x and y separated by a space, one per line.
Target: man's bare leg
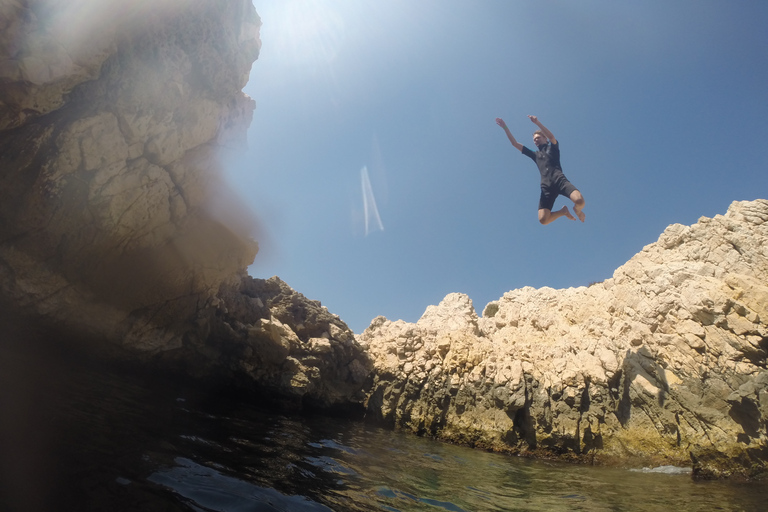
pixel 547 216
pixel 578 204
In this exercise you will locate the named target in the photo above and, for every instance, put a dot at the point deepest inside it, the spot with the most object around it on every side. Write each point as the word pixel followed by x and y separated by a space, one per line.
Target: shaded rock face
pixel 116 228
pixel 114 116
pixel 262 334
pixel 665 363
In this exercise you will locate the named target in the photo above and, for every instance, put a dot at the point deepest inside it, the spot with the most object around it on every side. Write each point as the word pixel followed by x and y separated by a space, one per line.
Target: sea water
pixel 81 436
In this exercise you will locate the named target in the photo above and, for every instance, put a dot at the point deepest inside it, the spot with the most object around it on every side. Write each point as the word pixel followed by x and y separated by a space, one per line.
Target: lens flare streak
pixel 370 211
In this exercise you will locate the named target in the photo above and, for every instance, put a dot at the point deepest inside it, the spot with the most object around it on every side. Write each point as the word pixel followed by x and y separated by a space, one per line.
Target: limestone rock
pixel 113 119
pixel 115 226
pixel 663 363
pixel 265 336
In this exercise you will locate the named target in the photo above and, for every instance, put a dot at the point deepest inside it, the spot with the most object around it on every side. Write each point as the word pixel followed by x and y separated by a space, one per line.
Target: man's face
pixel 539 139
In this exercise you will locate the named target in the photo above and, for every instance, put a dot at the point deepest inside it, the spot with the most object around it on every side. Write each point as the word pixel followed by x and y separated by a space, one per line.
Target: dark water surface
pixel 77 436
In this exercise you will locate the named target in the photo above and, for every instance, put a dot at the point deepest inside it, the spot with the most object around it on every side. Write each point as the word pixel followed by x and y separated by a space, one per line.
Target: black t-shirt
pixel 547 159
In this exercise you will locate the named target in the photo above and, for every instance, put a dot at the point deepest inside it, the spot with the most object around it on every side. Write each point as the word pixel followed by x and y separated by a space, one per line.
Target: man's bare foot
pixel 567 213
pixel 579 214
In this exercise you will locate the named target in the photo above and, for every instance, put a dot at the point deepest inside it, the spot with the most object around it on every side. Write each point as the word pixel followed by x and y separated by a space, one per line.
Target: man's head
pixel 539 138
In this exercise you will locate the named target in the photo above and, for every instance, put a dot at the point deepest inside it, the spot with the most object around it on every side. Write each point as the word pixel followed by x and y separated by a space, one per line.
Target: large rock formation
pixel 113 116
pixel 115 224
pixel 665 363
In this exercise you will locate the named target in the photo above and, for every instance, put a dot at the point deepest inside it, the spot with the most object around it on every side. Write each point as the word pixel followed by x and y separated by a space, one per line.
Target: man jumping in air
pixel 553 181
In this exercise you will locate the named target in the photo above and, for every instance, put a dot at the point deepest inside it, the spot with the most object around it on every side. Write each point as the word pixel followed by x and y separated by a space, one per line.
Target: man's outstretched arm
pixel 543 128
pixel 500 122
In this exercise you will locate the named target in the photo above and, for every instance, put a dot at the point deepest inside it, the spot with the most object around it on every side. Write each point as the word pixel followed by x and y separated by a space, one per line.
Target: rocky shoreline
pixel 112 231
pixel 664 363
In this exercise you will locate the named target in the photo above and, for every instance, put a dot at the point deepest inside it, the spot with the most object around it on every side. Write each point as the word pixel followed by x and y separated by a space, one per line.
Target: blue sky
pixel 660 109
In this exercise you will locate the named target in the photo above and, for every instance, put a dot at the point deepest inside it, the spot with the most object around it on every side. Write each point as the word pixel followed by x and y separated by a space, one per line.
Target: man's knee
pixel 578 199
pixel 544 216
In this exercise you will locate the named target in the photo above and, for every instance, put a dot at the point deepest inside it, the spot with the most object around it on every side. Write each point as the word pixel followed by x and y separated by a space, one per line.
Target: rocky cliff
pixel 115 224
pixel 664 363
pixel 113 116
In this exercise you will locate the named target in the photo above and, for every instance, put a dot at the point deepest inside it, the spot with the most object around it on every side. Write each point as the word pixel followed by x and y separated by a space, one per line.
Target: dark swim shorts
pixel 549 193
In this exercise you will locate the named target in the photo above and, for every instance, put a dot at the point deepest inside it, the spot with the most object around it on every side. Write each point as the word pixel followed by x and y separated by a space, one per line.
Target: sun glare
pixel 304 33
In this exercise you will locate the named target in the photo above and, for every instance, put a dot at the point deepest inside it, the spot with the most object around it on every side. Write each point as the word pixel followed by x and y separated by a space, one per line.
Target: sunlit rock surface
pixel 664 363
pixel 115 223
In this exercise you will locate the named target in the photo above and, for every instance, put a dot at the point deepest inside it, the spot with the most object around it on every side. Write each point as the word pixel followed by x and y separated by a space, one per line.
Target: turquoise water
pixel 86 437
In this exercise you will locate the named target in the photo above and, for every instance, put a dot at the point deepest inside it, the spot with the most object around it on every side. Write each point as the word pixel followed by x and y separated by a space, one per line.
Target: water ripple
pixel 214 491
